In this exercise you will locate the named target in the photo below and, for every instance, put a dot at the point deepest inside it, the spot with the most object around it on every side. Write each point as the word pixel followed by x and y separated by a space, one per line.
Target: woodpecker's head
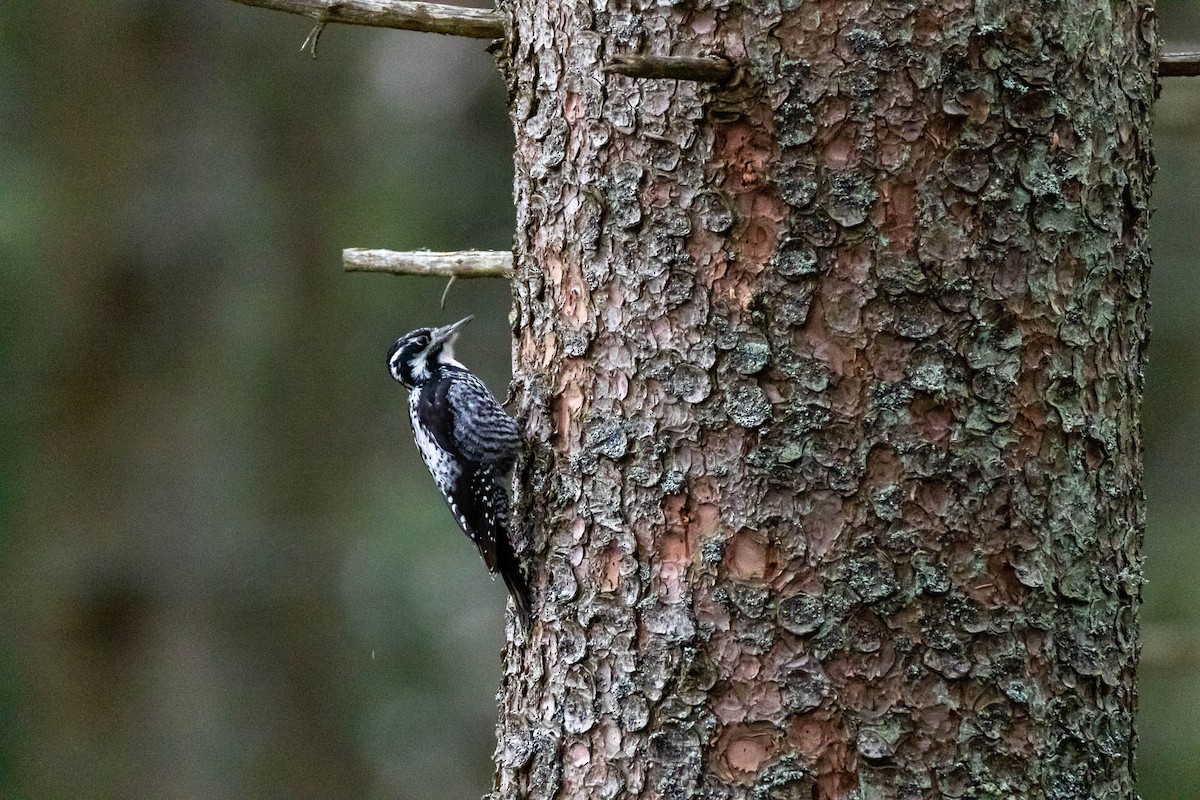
pixel 417 354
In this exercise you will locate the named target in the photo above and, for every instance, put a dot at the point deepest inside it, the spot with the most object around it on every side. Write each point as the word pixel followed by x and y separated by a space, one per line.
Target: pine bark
pixel 831 377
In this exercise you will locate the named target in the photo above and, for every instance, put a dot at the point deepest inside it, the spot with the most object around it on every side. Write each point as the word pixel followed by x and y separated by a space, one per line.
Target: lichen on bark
pixel 831 378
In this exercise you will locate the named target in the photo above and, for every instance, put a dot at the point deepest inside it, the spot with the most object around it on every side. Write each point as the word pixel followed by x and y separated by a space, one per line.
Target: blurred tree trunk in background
pixel 163 646
pixel 833 379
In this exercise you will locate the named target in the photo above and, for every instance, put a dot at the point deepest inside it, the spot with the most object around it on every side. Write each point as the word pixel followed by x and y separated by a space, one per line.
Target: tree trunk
pixel 832 380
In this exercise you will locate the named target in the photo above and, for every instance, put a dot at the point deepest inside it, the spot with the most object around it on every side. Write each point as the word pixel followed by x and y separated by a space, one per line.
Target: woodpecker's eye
pixel 422 340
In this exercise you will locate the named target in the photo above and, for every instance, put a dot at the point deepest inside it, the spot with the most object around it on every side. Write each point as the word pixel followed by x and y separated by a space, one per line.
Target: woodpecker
pixel 468 442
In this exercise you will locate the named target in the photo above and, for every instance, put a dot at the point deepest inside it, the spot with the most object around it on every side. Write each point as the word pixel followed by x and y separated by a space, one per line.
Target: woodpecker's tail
pixel 510 570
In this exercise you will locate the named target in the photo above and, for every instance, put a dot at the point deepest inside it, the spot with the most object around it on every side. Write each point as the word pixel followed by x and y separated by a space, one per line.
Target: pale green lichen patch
pixel 795 259
pixel 747 405
pixel 801 614
pixel 851 198
pixel 750 356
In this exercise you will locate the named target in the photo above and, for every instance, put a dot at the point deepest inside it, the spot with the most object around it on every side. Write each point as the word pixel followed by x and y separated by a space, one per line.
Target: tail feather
pixel 510 570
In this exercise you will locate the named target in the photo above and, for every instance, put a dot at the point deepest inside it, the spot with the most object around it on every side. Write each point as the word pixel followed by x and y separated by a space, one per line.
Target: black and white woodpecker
pixel 468 442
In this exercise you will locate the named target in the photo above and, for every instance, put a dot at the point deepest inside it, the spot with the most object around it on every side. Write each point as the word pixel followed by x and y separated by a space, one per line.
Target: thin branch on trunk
pixel 1179 65
pixel 703 69
pixel 456 264
pixel 475 23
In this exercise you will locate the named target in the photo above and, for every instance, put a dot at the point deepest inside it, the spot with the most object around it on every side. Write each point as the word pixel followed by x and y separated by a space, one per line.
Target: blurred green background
pixel 223 571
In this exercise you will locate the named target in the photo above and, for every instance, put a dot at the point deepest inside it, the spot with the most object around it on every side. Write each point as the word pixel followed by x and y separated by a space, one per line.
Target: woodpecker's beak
pixel 447 333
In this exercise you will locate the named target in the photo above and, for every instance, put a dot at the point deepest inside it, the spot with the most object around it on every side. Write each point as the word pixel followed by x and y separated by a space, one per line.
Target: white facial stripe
pixel 448 354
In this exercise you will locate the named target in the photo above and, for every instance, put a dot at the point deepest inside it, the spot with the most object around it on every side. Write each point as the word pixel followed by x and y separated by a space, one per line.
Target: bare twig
pixel 314 36
pixel 1179 65
pixel 459 264
pixel 476 23
pixel 706 69
pixel 446 291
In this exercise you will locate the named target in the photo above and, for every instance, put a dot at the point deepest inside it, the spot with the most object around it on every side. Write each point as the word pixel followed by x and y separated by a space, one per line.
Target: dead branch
pixel 1179 65
pixel 455 264
pixel 705 69
pixel 476 23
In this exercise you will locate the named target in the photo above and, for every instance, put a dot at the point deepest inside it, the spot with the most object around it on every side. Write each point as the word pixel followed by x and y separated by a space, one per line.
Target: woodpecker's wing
pixel 472 443
pixel 482 429
pixel 479 501
pixel 472 490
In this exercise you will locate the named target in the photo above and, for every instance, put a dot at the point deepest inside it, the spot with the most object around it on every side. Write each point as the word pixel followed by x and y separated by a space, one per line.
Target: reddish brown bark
pixel 832 377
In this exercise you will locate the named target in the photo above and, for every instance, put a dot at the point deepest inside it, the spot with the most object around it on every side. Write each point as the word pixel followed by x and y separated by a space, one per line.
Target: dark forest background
pixel 223 570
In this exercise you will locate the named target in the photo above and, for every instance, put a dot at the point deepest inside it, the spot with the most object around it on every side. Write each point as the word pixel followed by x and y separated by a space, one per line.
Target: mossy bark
pixel 832 380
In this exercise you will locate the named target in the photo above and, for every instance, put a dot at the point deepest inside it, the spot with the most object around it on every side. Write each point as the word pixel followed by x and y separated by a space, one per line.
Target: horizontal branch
pixel 457 264
pixel 706 69
pixel 1179 65
pixel 476 23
